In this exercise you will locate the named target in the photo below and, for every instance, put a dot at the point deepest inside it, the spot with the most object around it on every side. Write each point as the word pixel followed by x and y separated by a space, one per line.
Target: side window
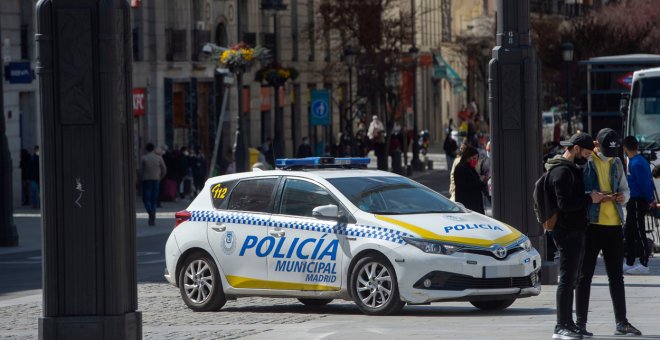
pixel 252 195
pixel 299 198
pixel 220 194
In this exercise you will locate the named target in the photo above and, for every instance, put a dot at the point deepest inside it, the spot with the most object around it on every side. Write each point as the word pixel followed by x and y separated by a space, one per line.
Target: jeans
pixel 450 161
pixel 150 190
pixel 636 232
pixel 609 239
pixel 34 194
pixel 570 244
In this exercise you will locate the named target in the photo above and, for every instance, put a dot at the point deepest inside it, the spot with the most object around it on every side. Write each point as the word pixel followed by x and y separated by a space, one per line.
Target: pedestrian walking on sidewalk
pixel 604 173
pixel 450 148
pixel 152 170
pixel 34 177
pixel 452 182
pixel 469 185
pixel 566 189
pixel 641 199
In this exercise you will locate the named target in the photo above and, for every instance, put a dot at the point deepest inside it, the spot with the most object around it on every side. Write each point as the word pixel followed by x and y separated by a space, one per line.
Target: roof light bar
pixel 320 162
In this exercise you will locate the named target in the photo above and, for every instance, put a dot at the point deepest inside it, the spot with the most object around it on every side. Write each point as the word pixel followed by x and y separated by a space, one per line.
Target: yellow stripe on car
pixel 429 235
pixel 247 282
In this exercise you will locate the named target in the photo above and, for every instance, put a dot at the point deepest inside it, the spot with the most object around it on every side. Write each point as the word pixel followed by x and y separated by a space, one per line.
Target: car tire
pixel 200 284
pixel 493 304
pixel 315 302
pixel 374 286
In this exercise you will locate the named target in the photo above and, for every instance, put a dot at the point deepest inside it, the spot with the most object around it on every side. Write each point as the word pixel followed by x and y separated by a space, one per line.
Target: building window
pixel 294 30
pixel 176 44
pixel 446 20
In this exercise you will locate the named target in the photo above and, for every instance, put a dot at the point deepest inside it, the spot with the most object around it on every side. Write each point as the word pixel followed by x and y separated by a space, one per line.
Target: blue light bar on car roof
pixel 320 161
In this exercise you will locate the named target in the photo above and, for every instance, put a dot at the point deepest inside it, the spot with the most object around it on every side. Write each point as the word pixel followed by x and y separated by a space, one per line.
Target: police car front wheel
pixel 374 286
pixel 200 285
pixel 493 304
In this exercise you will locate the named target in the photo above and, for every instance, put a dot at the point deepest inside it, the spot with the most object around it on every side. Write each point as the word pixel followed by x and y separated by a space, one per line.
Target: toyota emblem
pixel 499 251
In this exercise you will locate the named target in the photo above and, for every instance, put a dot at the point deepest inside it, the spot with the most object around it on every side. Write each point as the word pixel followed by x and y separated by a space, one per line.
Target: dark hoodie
pixel 567 190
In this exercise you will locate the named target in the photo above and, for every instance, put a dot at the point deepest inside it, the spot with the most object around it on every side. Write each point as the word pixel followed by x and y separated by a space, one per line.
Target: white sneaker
pixel 638 270
pixel 626 267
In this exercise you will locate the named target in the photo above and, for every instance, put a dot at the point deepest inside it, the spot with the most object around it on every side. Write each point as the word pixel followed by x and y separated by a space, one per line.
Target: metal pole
pixel 218 133
pixel 241 158
pixel 516 124
pixel 568 100
pixel 278 140
pixel 415 162
pixel 87 182
pixel 350 109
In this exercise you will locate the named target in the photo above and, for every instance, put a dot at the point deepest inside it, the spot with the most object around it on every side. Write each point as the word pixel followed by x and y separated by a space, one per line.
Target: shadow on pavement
pixel 419 311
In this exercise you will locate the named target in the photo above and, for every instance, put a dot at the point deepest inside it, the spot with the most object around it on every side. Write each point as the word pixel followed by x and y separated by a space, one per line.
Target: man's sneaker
pixel 566 332
pixel 639 269
pixel 625 328
pixel 626 267
pixel 582 330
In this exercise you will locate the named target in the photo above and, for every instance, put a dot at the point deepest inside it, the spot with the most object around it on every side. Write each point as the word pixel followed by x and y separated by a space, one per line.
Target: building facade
pixel 177 93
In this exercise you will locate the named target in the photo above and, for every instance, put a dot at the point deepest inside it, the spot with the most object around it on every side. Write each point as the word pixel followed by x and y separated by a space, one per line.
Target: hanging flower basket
pixel 275 75
pixel 241 56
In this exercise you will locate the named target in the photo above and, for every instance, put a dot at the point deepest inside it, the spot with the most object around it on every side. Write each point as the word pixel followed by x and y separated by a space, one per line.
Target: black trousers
pixel 570 245
pixel 636 231
pixel 609 239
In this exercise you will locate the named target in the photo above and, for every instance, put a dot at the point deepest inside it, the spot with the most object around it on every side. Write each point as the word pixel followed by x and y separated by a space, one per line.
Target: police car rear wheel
pixel 375 289
pixel 493 304
pixel 315 302
pixel 200 285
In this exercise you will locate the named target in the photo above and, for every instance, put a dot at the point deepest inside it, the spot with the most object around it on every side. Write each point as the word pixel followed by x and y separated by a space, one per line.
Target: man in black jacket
pixel 567 190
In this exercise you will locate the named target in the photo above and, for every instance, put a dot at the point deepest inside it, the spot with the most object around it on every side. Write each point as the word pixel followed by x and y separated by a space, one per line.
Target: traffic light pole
pixel 87 181
pixel 516 123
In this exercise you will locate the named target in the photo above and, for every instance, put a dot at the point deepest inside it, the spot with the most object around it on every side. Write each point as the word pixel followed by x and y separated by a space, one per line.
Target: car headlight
pixel 432 247
pixel 526 244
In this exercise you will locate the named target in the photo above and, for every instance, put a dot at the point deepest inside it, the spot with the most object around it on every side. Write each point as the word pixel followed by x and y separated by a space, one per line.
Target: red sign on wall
pixel 139 101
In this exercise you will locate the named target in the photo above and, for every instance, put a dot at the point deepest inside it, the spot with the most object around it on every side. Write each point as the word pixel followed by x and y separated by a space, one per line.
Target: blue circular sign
pixel 320 109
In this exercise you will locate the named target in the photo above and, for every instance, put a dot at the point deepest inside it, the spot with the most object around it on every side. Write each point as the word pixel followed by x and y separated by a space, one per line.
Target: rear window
pixel 220 193
pixel 253 195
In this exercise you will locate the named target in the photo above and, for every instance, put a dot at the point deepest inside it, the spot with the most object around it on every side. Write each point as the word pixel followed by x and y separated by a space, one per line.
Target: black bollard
pixel 88 196
pixel 516 121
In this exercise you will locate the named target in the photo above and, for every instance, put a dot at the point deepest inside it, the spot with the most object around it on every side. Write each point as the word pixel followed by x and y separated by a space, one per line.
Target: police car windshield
pixel 392 196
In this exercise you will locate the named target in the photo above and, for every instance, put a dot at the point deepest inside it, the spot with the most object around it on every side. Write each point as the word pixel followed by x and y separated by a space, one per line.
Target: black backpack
pixel 546 210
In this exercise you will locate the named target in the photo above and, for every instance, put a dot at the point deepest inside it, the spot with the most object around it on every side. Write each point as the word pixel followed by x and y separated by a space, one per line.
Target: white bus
pixel 643 114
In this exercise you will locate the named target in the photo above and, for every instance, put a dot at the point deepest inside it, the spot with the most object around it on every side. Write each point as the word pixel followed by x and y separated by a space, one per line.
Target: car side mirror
pixel 329 211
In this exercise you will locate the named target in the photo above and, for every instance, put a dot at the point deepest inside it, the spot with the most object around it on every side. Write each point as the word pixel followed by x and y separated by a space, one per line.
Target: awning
pixel 442 69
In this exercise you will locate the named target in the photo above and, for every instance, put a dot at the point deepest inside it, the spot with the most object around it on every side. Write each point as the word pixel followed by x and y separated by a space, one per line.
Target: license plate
pixel 515 270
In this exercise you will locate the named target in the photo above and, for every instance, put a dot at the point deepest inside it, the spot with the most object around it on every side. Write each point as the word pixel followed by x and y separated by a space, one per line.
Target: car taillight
pixel 181 217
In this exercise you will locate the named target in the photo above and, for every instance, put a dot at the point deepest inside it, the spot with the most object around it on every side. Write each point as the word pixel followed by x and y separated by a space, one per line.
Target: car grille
pixel 451 281
pixel 490 253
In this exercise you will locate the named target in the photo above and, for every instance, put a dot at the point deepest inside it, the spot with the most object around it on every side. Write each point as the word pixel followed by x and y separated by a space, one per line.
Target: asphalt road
pixel 21 272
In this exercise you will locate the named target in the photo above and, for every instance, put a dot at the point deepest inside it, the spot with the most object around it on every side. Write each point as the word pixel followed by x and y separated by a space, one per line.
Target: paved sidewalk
pixel 165 316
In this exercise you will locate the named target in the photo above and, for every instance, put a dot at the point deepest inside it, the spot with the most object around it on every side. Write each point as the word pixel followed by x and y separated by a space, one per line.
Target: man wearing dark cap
pixel 566 189
pixel 604 173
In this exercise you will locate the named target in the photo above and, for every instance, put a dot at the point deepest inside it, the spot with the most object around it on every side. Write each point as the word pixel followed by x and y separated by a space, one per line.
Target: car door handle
pixel 277 233
pixel 219 228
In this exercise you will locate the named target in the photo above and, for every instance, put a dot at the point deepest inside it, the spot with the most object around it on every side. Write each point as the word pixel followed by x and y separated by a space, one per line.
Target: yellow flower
pixel 284 73
pixel 224 58
pixel 247 53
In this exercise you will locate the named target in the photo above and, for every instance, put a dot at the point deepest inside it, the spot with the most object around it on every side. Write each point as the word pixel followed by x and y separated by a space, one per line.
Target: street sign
pixel 138 101
pixel 320 107
pixel 18 72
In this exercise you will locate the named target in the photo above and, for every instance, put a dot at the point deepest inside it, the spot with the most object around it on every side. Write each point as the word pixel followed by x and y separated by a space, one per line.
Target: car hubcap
pixel 198 281
pixel 374 285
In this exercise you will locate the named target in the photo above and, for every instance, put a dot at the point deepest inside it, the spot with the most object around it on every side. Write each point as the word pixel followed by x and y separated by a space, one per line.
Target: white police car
pixel 318 229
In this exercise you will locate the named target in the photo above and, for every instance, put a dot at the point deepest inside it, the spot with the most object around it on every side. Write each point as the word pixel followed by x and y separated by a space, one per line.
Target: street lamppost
pixel 415 163
pixel 349 58
pixel 567 55
pixel 275 6
pixel 241 158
